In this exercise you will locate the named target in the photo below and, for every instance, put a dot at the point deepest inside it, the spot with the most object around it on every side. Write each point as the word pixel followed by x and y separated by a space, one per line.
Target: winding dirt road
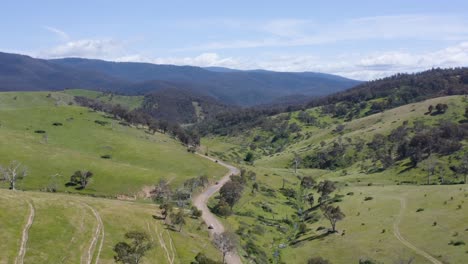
pixel 396 232
pixel 25 236
pixel 201 200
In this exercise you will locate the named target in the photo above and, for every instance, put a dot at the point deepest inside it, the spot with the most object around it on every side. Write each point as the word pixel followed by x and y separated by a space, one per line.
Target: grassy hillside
pixel 310 138
pixel 262 218
pixel 377 204
pixel 78 141
pixel 64 226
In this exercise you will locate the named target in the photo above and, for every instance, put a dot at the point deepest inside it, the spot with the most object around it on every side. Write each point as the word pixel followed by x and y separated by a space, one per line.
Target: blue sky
pixel 358 39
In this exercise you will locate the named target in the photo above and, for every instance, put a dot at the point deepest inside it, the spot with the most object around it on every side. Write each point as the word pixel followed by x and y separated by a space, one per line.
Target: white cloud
pixel 293 32
pixel 86 48
pixel 204 60
pixel 364 67
pixel 61 34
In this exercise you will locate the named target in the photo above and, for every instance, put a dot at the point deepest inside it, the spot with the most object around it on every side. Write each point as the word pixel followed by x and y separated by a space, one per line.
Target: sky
pixel 363 40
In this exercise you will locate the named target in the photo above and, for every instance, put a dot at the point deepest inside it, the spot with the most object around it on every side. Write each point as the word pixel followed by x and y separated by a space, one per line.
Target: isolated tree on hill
pixel 430 165
pixel 178 219
pixel 333 214
pixel 81 178
pixel 13 172
pixel 430 108
pixel 231 192
pixel 325 188
pixel 161 192
pixel 226 242
pixel 133 252
pixel 441 108
pixel 166 209
pixel 307 182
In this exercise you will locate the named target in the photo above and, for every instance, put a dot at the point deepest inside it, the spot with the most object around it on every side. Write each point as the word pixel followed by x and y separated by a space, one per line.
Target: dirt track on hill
pixel 396 232
pixel 201 200
pixel 98 232
pixel 25 236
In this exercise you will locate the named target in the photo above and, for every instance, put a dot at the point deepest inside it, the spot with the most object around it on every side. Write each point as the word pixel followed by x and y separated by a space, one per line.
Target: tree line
pixel 141 117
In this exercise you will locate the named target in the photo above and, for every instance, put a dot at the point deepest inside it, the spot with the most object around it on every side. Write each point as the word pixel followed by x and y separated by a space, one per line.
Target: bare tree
pixel 178 219
pixel 13 172
pixel 297 161
pixel 333 214
pixel 162 191
pixel 430 165
pixel 226 242
pixel 463 167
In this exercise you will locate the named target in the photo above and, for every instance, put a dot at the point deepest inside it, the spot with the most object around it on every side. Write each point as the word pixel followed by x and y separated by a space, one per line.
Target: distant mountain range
pixel 228 86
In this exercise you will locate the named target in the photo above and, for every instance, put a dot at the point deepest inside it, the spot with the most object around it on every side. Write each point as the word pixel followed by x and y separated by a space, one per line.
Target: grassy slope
pixel 364 222
pixel 138 158
pixel 63 228
pixel 360 240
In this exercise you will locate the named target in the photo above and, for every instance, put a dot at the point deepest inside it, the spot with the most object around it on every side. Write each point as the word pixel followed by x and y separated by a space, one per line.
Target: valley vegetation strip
pixel 25 236
pixel 201 200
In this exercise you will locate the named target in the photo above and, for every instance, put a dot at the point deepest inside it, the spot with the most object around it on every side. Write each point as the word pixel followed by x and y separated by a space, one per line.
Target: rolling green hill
pixel 77 229
pixel 49 135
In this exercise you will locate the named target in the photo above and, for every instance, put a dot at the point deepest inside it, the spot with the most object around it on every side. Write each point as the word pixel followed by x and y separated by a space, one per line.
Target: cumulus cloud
pixel 86 48
pixel 366 67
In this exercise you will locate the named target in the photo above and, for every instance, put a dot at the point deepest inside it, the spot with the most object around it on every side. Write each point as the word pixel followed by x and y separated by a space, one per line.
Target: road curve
pixel 396 232
pixel 200 201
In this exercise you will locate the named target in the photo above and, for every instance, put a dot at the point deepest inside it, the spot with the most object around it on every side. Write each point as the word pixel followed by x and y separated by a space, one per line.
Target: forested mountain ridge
pixel 227 85
pixel 363 100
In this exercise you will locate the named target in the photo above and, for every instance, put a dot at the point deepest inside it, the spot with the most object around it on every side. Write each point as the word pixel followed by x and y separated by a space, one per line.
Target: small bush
pixel 419 210
pixel 457 243
pixel 57 124
pixel 39 131
pixel 100 122
pixel 350 194
pixel 106 156
pixel 368 198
